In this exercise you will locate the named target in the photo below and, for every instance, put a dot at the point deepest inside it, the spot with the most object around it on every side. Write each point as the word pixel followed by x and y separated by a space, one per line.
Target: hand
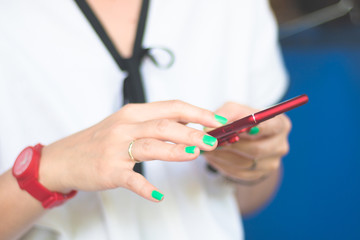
pixel 97 158
pixel 253 156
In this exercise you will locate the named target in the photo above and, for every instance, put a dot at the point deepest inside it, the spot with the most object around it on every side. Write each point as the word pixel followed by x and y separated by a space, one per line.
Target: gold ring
pixel 129 152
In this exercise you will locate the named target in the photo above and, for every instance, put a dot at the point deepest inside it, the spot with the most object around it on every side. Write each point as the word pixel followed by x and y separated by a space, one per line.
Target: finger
pixel 146 149
pixel 248 175
pixel 175 132
pixel 234 170
pixel 230 160
pixel 261 148
pixel 271 127
pixel 235 111
pixel 139 185
pixel 175 110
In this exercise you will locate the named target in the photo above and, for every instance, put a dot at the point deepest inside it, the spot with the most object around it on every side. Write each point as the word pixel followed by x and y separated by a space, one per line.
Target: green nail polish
pixel 209 140
pixel 190 149
pixel 157 195
pixel 221 119
pixel 202 151
pixel 254 130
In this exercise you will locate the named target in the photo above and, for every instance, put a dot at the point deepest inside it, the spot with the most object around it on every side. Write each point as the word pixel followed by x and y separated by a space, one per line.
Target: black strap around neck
pixel 133 90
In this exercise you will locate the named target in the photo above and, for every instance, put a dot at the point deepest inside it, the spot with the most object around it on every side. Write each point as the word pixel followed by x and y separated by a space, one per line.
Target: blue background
pixel 320 193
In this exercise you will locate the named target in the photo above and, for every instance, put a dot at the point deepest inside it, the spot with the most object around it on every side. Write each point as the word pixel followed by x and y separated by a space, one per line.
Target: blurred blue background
pixel 320 193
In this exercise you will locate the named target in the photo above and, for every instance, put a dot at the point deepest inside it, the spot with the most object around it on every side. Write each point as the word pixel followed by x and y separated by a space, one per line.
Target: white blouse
pixel 57 78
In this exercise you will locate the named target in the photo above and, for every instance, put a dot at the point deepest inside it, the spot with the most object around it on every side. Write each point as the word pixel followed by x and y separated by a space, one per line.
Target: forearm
pixel 252 197
pixel 19 210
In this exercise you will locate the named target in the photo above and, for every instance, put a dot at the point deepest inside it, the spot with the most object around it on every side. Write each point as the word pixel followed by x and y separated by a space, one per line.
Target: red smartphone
pixel 230 132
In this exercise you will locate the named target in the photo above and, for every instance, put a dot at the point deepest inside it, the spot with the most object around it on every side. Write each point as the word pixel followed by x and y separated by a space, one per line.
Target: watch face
pixel 23 161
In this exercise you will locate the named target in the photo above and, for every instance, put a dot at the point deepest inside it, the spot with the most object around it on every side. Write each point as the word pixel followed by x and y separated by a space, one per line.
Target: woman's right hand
pixel 97 158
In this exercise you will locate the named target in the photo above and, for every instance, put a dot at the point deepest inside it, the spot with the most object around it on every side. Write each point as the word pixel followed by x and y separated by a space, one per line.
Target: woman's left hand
pixel 254 156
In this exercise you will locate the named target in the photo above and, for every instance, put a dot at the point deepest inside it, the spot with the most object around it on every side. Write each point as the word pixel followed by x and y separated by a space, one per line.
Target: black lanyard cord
pixel 133 90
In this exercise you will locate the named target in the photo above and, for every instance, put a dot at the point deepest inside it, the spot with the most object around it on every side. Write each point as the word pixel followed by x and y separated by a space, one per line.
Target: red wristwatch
pixel 26 171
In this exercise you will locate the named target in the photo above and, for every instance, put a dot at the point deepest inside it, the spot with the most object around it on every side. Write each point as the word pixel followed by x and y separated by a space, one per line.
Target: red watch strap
pixel 47 198
pixel 32 185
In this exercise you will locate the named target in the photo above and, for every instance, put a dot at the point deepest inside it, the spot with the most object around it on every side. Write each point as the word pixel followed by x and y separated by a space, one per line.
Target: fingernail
pixel 157 195
pixel 254 130
pixel 209 140
pixel 190 149
pixel 201 152
pixel 221 119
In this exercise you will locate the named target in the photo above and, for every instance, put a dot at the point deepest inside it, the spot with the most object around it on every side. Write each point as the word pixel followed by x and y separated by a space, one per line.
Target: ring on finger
pixel 130 153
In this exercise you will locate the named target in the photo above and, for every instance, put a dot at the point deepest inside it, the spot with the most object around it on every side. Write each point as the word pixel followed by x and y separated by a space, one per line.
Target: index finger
pixel 271 127
pixel 174 109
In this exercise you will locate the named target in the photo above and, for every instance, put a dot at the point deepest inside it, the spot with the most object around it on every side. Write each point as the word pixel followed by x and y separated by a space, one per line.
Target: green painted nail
pixel 157 195
pixel 202 151
pixel 190 149
pixel 209 140
pixel 221 119
pixel 254 130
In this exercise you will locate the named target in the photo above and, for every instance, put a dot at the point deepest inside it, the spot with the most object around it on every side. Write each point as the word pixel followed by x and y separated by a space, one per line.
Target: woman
pixel 62 65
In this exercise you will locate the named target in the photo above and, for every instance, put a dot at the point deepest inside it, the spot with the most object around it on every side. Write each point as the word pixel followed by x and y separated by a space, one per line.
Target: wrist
pixel 51 175
pixel 26 171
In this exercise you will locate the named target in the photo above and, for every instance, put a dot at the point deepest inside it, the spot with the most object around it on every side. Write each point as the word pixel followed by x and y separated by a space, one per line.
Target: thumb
pixel 138 184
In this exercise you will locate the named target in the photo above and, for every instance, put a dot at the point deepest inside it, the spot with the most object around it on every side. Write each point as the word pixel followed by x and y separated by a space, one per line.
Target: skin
pixel 104 146
pixel 267 147
pixel 102 150
pixel 97 158
pixel 120 19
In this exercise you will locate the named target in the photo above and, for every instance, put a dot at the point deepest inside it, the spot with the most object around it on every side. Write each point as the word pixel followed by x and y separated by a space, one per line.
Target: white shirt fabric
pixel 57 78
